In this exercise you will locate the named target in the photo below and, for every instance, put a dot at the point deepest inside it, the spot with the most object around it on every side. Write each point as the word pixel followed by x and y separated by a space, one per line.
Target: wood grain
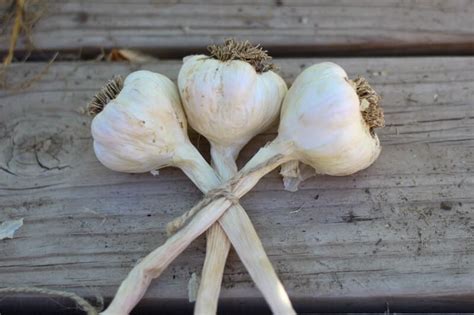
pixel 285 27
pixel 400 232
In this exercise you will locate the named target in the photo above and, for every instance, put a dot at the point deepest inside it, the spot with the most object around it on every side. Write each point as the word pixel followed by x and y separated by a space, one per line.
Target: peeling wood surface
pixel 400 230
pixel 285 27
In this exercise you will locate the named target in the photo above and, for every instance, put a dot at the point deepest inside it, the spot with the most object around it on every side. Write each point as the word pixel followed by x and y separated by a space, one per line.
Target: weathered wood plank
pixel 302 26
pixel 400 231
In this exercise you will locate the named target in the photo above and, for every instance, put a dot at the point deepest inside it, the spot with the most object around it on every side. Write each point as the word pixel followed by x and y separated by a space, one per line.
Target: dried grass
pixel 25 14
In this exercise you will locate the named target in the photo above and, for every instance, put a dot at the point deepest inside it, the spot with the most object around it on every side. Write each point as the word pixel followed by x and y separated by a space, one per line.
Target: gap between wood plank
pixel 376 50
pixel 378 305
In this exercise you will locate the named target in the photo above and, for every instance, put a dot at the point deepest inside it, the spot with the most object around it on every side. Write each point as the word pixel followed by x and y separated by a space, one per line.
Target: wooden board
pixel 285 27
pixel 400 232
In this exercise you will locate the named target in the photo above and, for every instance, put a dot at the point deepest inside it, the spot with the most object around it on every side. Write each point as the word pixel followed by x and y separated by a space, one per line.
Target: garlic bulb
pixel 142 129
pixel 345 141
pixel 229 102
pixel 327 122
pixel 229 98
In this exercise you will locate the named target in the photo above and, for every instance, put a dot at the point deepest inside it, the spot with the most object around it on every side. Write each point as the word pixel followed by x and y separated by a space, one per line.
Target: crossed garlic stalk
pixel 327 122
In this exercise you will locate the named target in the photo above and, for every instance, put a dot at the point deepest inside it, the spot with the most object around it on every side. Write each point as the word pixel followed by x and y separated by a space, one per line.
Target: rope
pixel 225 191
pixel 179 222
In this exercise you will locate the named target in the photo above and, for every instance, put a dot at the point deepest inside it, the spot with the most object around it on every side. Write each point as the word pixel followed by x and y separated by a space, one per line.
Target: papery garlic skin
pixel 236 101
pixel 142 128
pixel 321 117
pixel 294 173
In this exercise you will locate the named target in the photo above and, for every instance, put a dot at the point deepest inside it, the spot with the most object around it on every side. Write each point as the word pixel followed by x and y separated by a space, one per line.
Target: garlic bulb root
pixel 245 51
pixel 107 93
pixel 369 103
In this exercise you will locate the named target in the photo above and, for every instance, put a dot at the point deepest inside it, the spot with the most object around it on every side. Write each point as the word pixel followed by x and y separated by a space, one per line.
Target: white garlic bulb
pixel 321 116
pixel 229 102
pixel 141 129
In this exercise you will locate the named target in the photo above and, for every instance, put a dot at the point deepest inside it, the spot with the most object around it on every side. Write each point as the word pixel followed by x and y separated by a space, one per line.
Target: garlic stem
pixel 137 281
pixel 235 223
pixel 263 162
pixel 218 246
pixel 217 243
pixel 191 162
pixel 238 228
pixel 217 250
pixel 216 255
pixel 244 238
pixel 223 160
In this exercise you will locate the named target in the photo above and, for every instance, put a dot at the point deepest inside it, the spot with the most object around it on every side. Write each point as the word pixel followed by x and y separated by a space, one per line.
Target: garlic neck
pixel 192 163
pixel 282 150
pixel 263 162
pixel 223 160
